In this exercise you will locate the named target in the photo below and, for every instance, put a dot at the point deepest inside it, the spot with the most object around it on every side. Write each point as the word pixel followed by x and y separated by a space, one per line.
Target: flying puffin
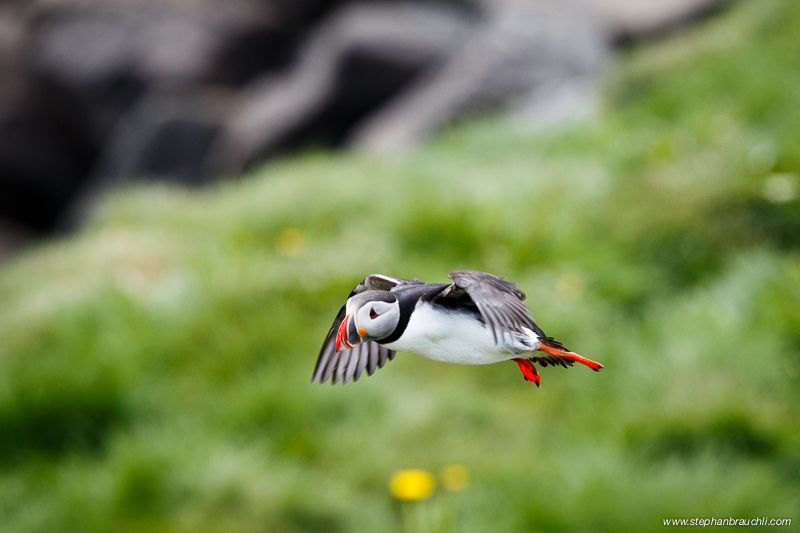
pixel 478 319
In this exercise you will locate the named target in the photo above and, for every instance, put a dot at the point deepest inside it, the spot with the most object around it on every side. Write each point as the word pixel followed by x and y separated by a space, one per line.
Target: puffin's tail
pixel 562 355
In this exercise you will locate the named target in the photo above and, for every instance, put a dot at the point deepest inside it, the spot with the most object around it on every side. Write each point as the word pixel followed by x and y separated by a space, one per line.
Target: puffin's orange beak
pixel 347 336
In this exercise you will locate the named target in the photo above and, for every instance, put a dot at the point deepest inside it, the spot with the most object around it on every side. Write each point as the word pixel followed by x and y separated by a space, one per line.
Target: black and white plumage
pixel 477 319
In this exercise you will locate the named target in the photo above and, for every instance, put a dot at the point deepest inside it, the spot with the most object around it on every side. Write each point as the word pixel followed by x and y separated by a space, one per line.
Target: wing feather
pixel 355 357
pixel 372 364
pixel 330 368
pixel 324 359
pixel 362 362
pixel 378 282
pixel 499 302
pixel 344 360
pixel 383 355
pixel 550 360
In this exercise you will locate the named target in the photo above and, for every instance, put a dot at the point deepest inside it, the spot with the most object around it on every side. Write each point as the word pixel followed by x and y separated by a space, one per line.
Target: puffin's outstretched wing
pixel 350 364
pixel 499 301
pixel 380 282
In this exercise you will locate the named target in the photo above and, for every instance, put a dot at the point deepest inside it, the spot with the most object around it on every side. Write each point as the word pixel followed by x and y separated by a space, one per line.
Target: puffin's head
pixel 371 316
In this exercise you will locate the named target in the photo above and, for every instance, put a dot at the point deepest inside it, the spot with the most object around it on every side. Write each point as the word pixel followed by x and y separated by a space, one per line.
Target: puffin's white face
pixel 377 319
pixel 371 316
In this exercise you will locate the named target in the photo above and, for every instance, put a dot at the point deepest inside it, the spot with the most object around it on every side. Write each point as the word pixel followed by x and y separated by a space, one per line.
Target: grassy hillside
pixel 154 369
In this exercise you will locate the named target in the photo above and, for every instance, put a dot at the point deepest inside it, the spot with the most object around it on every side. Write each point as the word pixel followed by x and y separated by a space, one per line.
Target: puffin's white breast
pixel 450 337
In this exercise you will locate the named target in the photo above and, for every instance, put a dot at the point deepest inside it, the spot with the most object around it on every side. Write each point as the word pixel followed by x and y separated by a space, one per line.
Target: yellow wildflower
pixel 412 484
pixel 455 478
pixel 291 242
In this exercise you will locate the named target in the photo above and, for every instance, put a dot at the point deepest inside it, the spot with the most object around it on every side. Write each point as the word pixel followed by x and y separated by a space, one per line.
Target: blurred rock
pixel 46 147
pixel 97 91
pixel 167 135
pixel 13 237
pixel 112 51
pixel 45 151
pixel 634 19
pixel 355 61
pixel 13 31
pixel 519 46
pixel 98 69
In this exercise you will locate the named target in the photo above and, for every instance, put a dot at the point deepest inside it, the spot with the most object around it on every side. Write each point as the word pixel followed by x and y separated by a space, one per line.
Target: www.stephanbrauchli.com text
pixel 760 521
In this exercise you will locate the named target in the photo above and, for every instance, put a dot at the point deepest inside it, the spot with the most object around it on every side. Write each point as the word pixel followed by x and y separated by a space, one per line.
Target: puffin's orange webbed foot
pixel 529 371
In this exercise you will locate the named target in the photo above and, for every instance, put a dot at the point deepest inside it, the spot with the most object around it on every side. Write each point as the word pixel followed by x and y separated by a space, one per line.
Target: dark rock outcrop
pixel 46 145
pixel 358 59
pixel 97 91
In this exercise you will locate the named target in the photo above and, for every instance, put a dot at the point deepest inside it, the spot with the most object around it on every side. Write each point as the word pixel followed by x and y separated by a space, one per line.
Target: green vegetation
pixel 154 369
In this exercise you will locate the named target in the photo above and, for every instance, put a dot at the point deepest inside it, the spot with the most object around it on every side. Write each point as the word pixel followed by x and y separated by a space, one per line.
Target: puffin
pixel 478 319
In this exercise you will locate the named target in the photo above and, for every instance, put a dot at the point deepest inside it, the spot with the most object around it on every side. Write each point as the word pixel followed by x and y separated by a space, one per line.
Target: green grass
pixel 154 368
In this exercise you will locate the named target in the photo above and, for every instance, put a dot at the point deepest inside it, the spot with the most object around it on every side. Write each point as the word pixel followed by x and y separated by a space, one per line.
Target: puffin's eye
pixel 372 313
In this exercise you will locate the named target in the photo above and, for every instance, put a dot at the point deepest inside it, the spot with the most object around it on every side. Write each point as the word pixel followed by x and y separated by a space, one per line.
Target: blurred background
pixel 190 189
